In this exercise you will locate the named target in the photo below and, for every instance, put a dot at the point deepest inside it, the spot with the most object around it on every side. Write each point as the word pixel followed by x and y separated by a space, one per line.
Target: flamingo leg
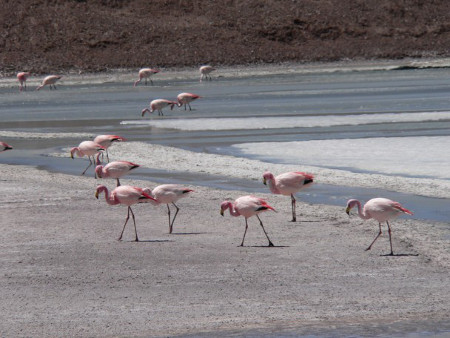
pixel 246 227
pixel 168 213
pixel 118 182
pixel 107 156
pixel 126 221
pixel 173 219
pixel 90 163
pixel 379 234
pixel 262 226
pixel 390 239
pixel 189 106
pixel 134 221
pixel 294 217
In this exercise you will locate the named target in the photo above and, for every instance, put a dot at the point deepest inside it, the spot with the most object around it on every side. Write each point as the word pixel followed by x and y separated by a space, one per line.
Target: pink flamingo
pixel 107 140
pixel 158 105
pixel 288 184
pixel 205 71
pixel 22 78
pixel 127 195
pixel 186 98
pixel 4 146
pixel 114 169
pixel 145 73
pixel 169 194
pixel 247 206
pixel 87 148
pixel 49 80
pixel 380 209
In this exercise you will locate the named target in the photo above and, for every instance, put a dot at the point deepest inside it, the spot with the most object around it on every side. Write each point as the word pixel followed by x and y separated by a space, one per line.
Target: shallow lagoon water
pixel 401 117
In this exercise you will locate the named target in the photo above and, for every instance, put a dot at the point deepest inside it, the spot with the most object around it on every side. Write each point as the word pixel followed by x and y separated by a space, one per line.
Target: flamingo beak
pixel 71 155
pixel 264 181
pixel 96 194
pixel 221 212
pixel 348 210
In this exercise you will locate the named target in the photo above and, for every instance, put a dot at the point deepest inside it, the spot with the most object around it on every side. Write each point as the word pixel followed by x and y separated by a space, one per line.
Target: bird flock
pixel 287 184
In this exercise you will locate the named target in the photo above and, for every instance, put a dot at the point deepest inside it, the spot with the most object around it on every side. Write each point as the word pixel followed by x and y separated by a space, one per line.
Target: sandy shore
pixel 65 274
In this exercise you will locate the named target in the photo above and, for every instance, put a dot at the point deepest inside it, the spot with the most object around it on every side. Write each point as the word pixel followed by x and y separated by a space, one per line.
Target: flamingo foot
pixel 270 244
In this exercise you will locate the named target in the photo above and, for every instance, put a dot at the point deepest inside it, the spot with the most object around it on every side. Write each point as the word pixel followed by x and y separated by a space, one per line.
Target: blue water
pixel 103 108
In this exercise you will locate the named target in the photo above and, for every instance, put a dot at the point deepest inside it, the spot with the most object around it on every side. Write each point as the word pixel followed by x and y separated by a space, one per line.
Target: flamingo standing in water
pixel 158 105
pixel 22 78
pixel 89 149
pixel 127 195
pixel 107 140
pixel 205 71
pixel 114 169
pixel 4 146
pixel 288 184
pixel 186 98
pixel 169 194
pixel 247 206
pixel 146 73
pixel 50 81
pixel 381 210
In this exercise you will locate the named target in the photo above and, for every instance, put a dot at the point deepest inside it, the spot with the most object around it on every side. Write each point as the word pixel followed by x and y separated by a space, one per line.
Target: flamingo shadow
pixel 399 255
pixel 263 246
pixel 150 241
pixel 188 233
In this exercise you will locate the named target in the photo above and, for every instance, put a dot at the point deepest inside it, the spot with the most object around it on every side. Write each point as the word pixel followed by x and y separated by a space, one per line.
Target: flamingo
pixel 114 169
pixel 247 206
pixel 380 209
pixel 288 184
pixel 49 80
pixel 145 73
pixel 204 71
pixel 4 146
pixel 89 149
pixel 169 194
pixel 106 141
pixel 125 194
pixel 185 99
pixel 22 78
pixel 158 105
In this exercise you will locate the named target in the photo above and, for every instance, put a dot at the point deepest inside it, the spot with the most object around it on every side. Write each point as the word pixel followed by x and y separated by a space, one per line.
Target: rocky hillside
pixel 94 35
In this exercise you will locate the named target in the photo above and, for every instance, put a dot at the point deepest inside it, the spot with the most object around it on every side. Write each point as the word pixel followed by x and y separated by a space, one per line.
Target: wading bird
pixel 126 195
pixel 89 149
pixel 288 184
pixel 169 194
pixel 4 146
pixel 106 141
pixel 114 169
pixel 50 81
pixel 22 78
pixel 146 73
pixel 205 71
pixel 186 99
pixel 381 210
pixel 247 206
pixel 158 105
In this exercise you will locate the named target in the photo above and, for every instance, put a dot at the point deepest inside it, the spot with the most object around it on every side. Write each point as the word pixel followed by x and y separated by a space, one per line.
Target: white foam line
pixel 196 124
pixel 36 135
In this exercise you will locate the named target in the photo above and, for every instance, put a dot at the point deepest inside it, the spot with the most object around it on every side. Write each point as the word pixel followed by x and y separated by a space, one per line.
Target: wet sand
pixel 65 274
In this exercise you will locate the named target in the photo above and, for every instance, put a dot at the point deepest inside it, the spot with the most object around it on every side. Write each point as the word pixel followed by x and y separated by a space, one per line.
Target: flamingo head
pixel 224 206
pixel 72 151
pixel 267 176
pixel 146 110
pixel 100 189
pixel 99 170
pixel 350 204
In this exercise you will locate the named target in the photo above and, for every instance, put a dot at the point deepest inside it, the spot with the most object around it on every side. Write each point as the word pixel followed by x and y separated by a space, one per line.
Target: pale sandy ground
pixel 63 273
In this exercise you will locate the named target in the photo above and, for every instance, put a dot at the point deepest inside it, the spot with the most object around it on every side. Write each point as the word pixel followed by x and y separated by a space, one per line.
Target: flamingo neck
pixel 76 151
pixel 273 187
pixel 361 212
pixel 233 211
pixel 109 198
